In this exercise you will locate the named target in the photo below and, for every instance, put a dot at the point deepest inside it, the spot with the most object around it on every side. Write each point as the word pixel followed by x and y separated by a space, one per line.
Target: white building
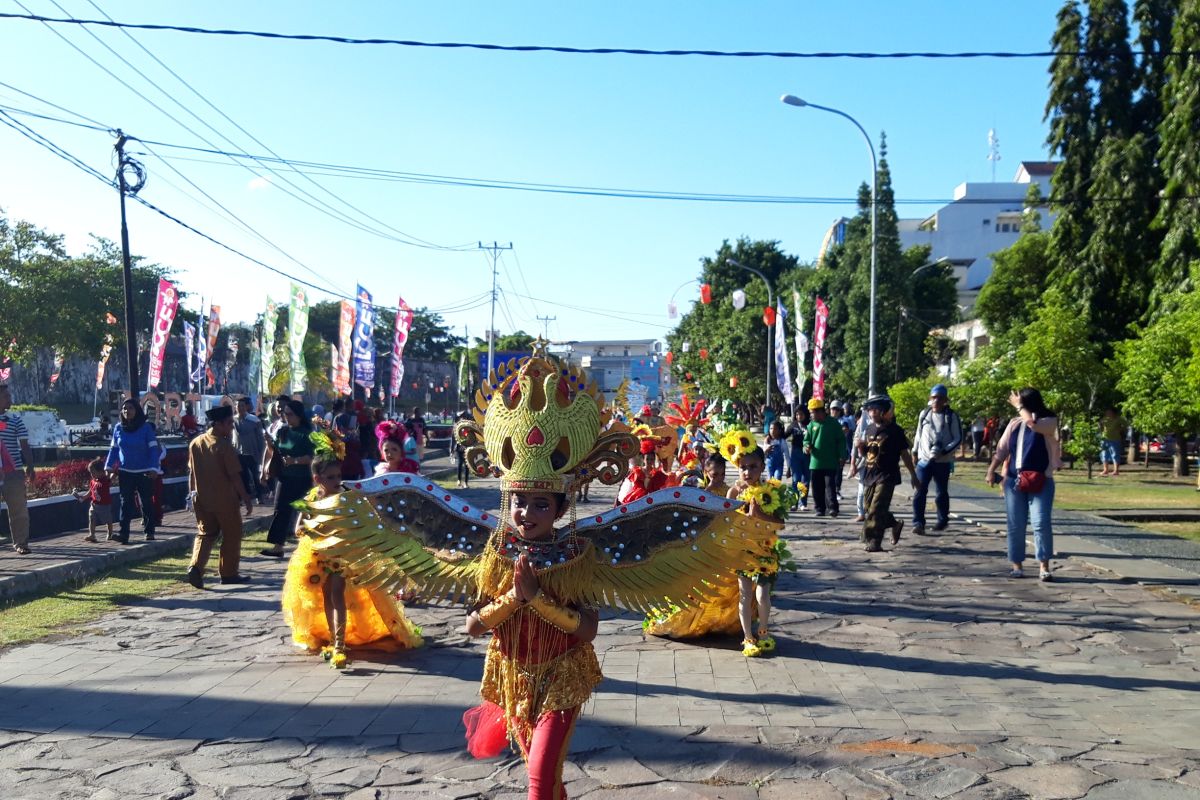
pixel 983 219
pixel 609 362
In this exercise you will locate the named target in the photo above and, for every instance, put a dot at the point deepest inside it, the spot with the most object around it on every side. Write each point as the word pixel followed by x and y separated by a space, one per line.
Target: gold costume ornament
pixel 537 425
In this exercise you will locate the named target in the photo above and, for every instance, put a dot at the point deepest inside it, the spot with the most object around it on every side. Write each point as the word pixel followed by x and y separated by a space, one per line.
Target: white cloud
pixel 260 182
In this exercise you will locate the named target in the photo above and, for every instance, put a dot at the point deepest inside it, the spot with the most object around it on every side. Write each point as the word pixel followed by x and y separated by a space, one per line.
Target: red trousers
pixel 546 751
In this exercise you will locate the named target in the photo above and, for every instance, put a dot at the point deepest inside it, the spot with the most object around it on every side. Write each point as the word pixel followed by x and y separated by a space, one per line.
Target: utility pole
pixel 546 326
pixel 124 187
pixel 493 251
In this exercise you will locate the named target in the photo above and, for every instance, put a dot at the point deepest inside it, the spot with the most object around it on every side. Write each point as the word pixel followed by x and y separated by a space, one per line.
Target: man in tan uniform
pixel 216 486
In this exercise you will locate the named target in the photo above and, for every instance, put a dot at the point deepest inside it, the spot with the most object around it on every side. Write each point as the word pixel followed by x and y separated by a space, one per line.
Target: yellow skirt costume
pixel 371 615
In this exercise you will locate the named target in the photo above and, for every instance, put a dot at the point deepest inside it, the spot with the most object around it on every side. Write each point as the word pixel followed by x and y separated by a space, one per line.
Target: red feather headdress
pixel 688 414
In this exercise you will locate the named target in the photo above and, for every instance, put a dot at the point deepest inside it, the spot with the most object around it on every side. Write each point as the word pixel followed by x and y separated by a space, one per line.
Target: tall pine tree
pixel 1179 154
pixel 1071 139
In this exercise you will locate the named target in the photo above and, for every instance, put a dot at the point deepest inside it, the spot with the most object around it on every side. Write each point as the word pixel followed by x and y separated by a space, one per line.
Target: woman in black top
pixel 798 459
pixel 292 451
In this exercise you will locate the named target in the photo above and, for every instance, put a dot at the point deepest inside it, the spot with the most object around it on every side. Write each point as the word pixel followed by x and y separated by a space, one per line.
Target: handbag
pixel 1028 480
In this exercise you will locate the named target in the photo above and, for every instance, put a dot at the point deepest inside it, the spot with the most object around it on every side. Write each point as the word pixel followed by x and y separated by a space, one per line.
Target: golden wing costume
pixel 537 425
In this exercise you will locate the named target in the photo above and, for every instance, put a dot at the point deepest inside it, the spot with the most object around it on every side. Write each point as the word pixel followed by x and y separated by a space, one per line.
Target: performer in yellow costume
pixel 537 425
pixel 325 614
pixel 732 608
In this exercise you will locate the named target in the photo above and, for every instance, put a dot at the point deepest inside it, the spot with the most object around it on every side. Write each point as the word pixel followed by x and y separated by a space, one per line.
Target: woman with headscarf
pixel 294 448
pixel 134 457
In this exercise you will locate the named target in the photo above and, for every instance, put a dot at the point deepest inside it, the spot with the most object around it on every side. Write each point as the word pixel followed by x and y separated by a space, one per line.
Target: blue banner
pixel 364 340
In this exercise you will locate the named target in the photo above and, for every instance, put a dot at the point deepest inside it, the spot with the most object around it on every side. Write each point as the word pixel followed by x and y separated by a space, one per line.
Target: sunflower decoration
pixel 339 659
pixel 641 431
pixel 736 443
pixel 772 496
pixel 327 442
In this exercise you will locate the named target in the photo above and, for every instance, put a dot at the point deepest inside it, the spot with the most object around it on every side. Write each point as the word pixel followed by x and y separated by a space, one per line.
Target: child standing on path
pixel 774 450
pixel 882 447
pixel 99 492
pixel 754 588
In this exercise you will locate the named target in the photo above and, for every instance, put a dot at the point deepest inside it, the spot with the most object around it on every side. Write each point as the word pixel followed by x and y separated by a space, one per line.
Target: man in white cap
pixel 939 433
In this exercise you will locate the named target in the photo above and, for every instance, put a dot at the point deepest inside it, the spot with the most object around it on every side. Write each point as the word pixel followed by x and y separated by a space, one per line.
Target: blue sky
pixel 659 123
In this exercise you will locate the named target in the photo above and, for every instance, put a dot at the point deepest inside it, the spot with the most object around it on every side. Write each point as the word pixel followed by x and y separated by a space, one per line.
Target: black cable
pixel 309 37
pixel 258 141
pixel 37 138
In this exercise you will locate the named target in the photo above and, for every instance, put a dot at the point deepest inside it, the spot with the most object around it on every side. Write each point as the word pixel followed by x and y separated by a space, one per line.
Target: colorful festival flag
pixel 201 349
pixel 105 352
pixel 297 328
pixel 231 359
pixel 214 327
pixel 818 348
pixel 189 347
pixel 783 372
pixel 364 340
pixel 266 355
pixel 164 318
pixel 801 339
pixel 59 358
pixel 341 380
pixel 404 318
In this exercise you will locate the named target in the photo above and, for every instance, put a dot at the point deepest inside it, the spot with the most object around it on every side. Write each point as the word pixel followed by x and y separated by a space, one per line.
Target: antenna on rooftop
pixel 993 150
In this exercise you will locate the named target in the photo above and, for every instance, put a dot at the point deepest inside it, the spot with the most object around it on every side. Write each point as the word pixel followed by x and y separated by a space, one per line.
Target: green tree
pixel 735 339
pixel 429 337
pixel 1179 154
pixel 1020 275
pixel 910 397
pixel 49 299
pixel 1071 138
pixel 1160 374
pixel 981 386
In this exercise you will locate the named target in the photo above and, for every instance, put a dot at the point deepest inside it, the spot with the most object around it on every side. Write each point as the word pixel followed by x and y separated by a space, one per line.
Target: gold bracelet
pixel 566 620
pixel 498 610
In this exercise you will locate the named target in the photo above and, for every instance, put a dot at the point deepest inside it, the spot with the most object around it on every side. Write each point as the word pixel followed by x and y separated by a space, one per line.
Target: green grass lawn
pixel 1136 487
pixel 65 609
pixel 1184 530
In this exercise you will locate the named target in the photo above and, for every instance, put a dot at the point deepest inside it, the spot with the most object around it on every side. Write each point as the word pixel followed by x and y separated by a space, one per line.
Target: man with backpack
pixel 938 436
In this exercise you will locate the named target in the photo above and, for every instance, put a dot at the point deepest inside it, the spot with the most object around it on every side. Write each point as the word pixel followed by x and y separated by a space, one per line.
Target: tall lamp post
pixel 770 302
pixel 792 100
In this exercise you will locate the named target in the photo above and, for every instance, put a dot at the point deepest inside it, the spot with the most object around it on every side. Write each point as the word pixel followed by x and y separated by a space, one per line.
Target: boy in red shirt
pixel 99 492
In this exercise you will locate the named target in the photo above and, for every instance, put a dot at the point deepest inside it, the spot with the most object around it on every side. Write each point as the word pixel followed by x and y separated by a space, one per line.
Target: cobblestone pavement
pixel 922 672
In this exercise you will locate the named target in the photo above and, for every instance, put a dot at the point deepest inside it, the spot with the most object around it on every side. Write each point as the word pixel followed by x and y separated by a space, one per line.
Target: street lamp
pixel 770 302
pixel 792 100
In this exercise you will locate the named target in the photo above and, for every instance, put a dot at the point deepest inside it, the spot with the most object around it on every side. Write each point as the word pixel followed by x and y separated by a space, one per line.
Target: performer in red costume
pixel 649 477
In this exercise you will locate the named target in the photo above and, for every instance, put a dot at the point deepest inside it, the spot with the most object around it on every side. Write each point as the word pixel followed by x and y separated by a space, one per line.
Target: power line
pixel 415 240
pixel 34 136
pixel 311 37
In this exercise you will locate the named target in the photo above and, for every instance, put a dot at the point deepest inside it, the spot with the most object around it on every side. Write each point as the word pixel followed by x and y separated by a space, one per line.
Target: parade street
pixel 922 672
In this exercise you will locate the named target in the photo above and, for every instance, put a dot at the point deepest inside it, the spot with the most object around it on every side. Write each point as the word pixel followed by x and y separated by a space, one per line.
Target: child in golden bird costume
pixel 537 425
pixel 325 614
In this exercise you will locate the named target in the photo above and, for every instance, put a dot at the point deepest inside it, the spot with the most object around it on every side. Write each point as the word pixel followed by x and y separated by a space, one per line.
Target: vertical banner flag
pixel 333 366
pixel 783 371
pixel 201 349
pixel 267 352
pixel 59 358
pixel 462 373
pixel 105 352
pixel 214 327
pixel 364 340
pixel 341 382
pixel 252 385
pixel 189 348
pixel 297 328
pixel 801 339
pixel 818 347
pixel 164 318
pixel 404 318
pixel 230 360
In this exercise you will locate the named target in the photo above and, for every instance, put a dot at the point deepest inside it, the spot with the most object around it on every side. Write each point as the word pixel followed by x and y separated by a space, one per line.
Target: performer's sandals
pixel 338 659
pixel 766 642
pixel 751 649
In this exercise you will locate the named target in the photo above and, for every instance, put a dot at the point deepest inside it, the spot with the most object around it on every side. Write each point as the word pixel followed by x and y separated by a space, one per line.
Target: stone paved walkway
pixel 921 672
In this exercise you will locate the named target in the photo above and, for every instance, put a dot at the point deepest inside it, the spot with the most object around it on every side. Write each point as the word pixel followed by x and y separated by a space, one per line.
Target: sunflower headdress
pixel 736 443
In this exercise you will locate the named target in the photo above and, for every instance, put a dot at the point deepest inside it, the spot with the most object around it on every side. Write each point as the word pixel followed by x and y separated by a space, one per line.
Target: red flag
pixel 404 318
pixel 164 317
pixel 818 350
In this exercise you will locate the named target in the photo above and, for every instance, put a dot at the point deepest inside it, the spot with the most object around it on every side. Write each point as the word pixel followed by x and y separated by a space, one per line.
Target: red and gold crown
pixel 537 425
